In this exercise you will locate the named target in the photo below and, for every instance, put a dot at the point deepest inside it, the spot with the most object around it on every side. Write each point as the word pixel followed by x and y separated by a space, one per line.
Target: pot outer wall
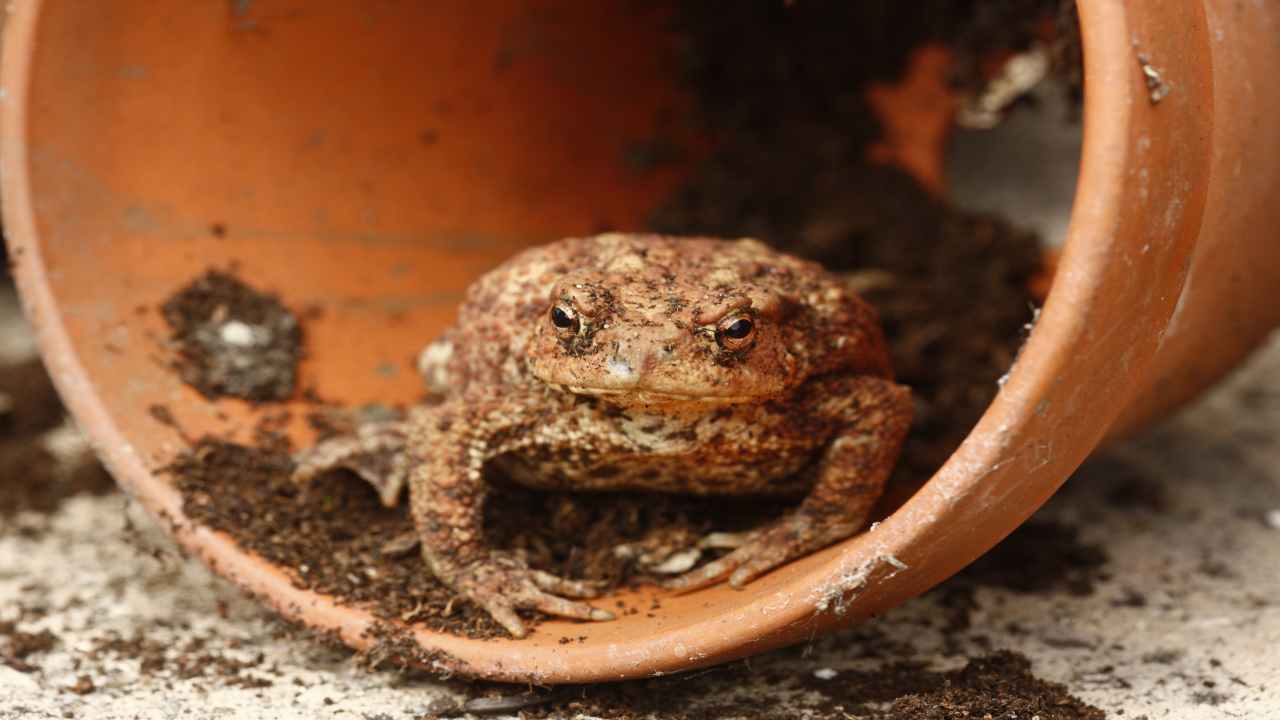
pixel 1228 303
pixel 424 144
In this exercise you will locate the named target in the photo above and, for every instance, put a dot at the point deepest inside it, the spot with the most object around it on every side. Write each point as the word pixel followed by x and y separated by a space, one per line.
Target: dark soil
pixel 1039 557
pixel 232 340
pixel 83 686
pixel 999 686
pixel 31 478
pixel 16 646
pixel 191 660
pixel 600 538
pixel 772 70
pixel 952 292
pixel 784 97
pixel 33 484
pixel 332 537
pixel 337 538
pixel 782 89
pixel 31 404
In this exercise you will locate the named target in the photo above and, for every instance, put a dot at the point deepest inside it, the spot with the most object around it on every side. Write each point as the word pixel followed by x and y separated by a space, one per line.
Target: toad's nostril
pixel 621 369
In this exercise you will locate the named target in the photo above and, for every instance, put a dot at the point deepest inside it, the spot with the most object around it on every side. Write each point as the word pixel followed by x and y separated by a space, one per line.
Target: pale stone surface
pixel 1206 565
pixel 1205 643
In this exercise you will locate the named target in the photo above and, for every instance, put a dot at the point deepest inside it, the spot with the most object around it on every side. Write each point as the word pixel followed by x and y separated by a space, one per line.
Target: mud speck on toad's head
pixel 650 319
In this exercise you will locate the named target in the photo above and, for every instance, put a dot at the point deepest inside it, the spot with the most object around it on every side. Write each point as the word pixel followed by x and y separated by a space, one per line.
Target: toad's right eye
pixel 565 319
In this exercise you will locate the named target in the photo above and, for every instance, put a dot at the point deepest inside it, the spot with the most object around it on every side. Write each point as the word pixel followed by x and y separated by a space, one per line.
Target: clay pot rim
pixel 866 563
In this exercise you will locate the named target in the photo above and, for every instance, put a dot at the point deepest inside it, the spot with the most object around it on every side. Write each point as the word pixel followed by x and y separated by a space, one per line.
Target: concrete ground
pixel 1178 616
pixel 1168 604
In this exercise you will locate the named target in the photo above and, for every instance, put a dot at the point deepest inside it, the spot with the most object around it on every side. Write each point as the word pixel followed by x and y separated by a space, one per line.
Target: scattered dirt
pixel 31 478
pixel 338 539
pixel 34 483
pixel 393 647
pixel 191 660
pixel 783 89
pixel 232 340
pixel 332 537
pixel 783 94
pixel 769 68
pixel 45 482
pixel 16 646
pixel 84 685
pixel 853 690
pixel 603 539
pixel 1040 557
pixel 954 299
pixel 999 686
pixel 242 490
pixel 30 405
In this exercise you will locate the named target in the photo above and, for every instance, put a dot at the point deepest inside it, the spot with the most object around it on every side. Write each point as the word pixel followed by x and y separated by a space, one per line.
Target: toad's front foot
pixel 502 584
pixel 759 551
pixel 375 452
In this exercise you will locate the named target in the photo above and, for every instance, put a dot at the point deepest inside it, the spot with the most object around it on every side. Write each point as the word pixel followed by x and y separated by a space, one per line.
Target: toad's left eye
pixel 565 319
pixel 735 332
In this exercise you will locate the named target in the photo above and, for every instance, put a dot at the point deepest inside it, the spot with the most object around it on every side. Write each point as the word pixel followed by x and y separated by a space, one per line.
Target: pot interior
pixel 365 162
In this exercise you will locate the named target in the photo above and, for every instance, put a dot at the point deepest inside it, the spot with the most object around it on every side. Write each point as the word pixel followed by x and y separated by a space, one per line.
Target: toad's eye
pixel 565 319
pixel 735 332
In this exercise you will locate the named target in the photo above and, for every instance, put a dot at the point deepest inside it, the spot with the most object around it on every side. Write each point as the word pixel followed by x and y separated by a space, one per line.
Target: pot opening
pixel 782 126
pixel 366 178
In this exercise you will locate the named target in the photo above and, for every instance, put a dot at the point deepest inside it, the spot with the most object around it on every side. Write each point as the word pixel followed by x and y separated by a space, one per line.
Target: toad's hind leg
pixel 873 417
pixel 377 452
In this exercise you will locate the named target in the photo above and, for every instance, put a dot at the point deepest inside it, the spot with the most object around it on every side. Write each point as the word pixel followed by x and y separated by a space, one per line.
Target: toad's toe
pixel 504 613
pixel 762 550
pixel 560 607
pixel 568 588
pixel 503 584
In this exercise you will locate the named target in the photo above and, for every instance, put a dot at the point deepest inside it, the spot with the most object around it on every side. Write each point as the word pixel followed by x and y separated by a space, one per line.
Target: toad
pixel 640 362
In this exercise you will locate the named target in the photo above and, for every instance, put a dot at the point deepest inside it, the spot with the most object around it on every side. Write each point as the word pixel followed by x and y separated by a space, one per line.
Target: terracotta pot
pixel 373 160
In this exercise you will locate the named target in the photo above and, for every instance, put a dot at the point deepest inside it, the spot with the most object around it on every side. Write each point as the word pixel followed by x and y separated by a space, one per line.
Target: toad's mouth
pixel 646 396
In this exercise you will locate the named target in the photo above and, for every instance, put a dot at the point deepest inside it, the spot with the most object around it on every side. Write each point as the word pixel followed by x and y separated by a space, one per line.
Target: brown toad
pixel 684 365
